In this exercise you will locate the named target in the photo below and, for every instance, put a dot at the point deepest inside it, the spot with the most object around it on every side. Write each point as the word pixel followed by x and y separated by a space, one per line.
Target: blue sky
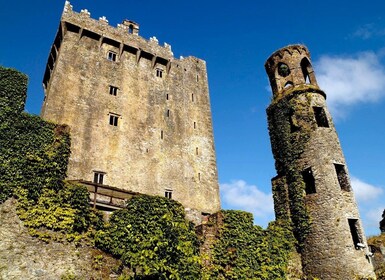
pixel 347 43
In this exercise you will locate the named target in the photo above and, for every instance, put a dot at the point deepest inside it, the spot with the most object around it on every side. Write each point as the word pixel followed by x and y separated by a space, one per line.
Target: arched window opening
pixel 288 85
pixel 131 29
pixel 306 70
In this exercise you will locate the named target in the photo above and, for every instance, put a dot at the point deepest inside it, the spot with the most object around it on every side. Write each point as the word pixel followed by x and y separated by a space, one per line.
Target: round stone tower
pixel 312 189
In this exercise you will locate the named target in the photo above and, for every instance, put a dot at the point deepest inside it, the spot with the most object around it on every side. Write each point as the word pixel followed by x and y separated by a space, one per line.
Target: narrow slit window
pixel 353 225
pixel 293 122
pixel 161 134
pixel 192 97
pixel 159 73
pixel 342 177
pixel 320 117
pixel 308 178
pixel 168 194
pixel 199 176
pixel 111 56
pixel 114 120
pixel 196 151
pixel 168 113
pixel 167 96
pixel 98 177
pixel 195 125
pixel 113 90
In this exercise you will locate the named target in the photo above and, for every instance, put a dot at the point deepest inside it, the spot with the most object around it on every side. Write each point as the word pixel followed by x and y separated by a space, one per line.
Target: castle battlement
pixel 140 120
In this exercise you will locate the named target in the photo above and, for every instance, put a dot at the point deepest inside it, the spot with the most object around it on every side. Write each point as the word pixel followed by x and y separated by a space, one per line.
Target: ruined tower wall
pixel 312 188
pixel 151 134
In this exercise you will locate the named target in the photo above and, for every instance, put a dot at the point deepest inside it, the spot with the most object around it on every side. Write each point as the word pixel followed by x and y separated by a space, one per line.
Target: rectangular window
pixel 114 119
pixel 168 113
pixel 308 178
pixel 98 177
pixel 159 73
pixel 320 117
pixel 113 90
pixel 343 180
pixel 111 56
pixel 168 194
pixel 353 225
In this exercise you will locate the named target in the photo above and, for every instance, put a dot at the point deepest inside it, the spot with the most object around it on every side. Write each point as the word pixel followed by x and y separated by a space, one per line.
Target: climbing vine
pixel 245 251
pixel 152 237
pixel 290 126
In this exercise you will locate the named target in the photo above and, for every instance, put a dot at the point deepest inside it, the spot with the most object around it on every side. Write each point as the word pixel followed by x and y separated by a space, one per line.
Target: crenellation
pixel 138 132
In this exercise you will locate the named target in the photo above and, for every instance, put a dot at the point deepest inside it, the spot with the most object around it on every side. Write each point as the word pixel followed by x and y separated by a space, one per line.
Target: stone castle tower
pixel 312 189
pixel 140 119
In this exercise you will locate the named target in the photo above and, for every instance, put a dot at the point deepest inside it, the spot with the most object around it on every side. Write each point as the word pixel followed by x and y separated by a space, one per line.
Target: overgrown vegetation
pixel 153 238
pixel 246 251
pixel 290 126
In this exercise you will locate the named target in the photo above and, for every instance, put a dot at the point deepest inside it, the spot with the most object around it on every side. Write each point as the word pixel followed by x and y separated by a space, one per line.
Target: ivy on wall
pixel 33 163
pixel 290 126
pixel 152 237
pixel 245 251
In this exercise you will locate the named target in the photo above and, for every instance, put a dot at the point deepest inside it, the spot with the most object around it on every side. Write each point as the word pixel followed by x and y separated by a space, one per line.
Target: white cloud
pixel 370 202
pixel 350 80
pixel 365 192
pixel 238 195
pixel 368 31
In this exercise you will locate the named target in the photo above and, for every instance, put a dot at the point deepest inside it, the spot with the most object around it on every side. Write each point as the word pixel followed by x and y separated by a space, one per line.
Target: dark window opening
pixel 113 90
pixel 168 194
pixel 320 117
pixel 308 178
pixel 196 151
pixel 288 85
pixel 114 120
pixel 343 180
pixel 167 96
pixel 293 123
pixel 353 225
pixel 195 125
pixel 130 29
pixel 111 56
pixel 192 97
pixel 199 176
pixel 306 69
pixel 98 177
pixel 161 134
pixel 283 69
pixel 159 73
pixel 197 78
pixel 168 113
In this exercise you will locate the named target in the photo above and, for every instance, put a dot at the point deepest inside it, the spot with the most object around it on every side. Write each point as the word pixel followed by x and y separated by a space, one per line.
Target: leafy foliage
pixel 288 144
pixel 245 251
pixel 152 237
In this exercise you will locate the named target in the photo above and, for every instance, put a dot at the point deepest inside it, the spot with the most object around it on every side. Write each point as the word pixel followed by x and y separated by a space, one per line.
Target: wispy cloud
pixel 348 80
pixel 364 191
pixel 370 202
pixel 368 31
pixel 239 195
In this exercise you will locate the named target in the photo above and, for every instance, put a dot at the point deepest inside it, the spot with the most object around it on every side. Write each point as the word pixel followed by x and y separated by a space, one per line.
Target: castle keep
pixel 139 118
pixel 312 189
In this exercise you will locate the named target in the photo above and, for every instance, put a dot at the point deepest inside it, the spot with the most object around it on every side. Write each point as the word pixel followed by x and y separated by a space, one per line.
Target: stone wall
pixel 161 137
pixel 25 257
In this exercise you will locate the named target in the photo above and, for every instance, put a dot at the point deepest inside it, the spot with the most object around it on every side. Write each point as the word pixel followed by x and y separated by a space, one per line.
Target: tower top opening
pixel 289 68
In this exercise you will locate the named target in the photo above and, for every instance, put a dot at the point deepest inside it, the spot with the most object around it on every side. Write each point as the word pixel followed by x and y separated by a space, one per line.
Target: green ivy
pixel 288 146
pixel 152 237
pixel 246 251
